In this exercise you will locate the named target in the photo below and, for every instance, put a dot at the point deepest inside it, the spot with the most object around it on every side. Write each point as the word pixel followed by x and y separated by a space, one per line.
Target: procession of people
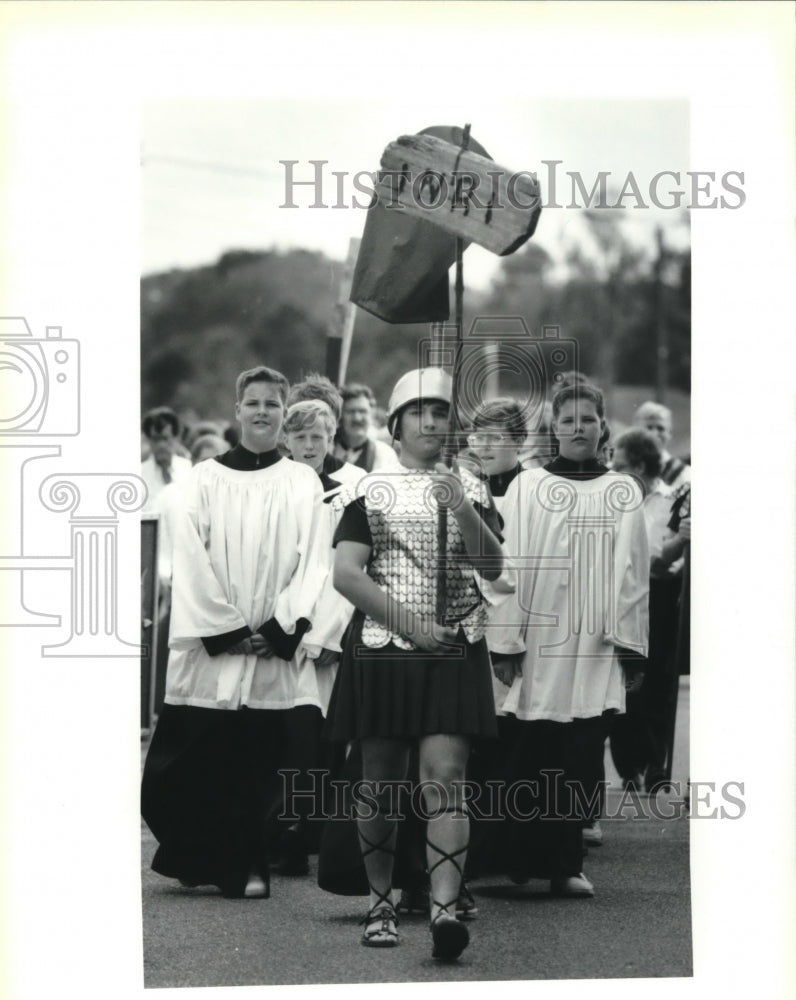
pixel 347 604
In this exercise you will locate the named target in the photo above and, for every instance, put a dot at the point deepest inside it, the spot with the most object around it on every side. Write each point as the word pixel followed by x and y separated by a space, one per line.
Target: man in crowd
pixel 163 466
pixel 354 442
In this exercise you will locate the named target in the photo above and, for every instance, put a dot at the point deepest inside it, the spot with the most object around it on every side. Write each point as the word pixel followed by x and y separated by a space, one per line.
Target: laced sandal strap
pixel 382 845
pixel 383 899
pixel 381 925
pixel 443 910
pixel 446 856
pixel 369 847
pixel 380 911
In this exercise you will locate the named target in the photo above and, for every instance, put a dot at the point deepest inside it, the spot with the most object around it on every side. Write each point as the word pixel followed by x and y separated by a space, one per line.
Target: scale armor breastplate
pixel 402 514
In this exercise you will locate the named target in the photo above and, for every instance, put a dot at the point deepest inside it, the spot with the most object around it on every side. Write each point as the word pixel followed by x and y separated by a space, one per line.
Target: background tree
pixel 200 327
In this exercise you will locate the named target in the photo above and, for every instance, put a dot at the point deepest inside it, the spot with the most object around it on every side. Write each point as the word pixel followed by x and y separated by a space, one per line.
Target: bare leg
pixel 382 760
pixel 443 760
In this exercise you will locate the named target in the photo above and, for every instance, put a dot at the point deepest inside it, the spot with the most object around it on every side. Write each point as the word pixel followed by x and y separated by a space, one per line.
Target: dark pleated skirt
pixel 407 694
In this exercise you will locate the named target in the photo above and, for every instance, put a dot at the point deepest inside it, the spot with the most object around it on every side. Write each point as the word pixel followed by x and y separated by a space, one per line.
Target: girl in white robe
pixel 244 590
pixel 576 534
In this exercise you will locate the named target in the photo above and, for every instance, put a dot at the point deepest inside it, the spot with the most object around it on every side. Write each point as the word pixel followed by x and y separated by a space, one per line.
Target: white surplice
pixel 581 552
pixel 333 611
pixel 246 550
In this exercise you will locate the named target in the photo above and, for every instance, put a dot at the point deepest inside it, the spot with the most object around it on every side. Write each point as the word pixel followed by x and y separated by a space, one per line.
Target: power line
pixel 214 166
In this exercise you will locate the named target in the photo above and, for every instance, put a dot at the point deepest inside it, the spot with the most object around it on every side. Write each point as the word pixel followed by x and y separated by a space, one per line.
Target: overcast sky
pixel 212 178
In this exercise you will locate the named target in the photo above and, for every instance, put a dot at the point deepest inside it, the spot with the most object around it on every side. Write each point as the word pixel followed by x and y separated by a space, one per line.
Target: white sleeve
pixel 330 619
pixel 169 505
pixel 199 605
pixel 506 631
pixel 497 592
pixel 300 597
pixel 631 582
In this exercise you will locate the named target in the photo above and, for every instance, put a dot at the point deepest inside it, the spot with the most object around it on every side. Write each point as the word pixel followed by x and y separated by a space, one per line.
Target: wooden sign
pixel 463 193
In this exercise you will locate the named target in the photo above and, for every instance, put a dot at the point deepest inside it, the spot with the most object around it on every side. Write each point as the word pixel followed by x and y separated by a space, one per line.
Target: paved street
pixel 638 925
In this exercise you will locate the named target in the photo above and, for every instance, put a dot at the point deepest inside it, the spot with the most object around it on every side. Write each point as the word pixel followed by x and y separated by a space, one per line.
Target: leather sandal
pixel 380 921
pixel 449 935
pixel 381 927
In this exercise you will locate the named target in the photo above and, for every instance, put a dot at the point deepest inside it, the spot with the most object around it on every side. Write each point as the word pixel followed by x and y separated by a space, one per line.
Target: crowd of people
pixel 342 602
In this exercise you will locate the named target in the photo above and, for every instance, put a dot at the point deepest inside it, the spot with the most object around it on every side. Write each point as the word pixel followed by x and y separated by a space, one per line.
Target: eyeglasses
pixel 478 438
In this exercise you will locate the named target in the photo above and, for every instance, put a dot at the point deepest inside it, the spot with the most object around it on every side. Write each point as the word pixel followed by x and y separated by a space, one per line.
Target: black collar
pixel 499 483
pixel 328 484
pixel 331 464
pixel 590 469
pixel 243 460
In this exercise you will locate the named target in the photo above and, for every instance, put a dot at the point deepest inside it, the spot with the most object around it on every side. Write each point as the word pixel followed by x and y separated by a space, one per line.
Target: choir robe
pixel 247 557
pixel 333 612
pixel 580 549
pixel 577 539
pixel 246 560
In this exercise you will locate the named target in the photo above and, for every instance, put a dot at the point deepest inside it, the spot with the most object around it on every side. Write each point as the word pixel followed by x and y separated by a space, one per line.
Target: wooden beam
pixel 341 325
pixel 348 307
pixel 465 194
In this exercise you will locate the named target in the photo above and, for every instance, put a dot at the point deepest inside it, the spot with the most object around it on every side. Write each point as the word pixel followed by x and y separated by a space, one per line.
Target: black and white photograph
pixel 599 296
pixel 356 360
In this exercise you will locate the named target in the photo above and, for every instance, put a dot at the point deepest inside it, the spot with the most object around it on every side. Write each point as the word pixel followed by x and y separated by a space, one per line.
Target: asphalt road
pixel 638 924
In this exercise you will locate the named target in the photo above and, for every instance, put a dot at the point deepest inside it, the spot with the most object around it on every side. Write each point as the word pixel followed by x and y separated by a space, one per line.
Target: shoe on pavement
pixel 574 887
pixel 256 887
pixel 449 935
pixel 593 834
pixel 655 782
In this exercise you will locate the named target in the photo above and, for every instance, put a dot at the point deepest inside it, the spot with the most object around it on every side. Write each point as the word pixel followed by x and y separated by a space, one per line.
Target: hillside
pixel 202 326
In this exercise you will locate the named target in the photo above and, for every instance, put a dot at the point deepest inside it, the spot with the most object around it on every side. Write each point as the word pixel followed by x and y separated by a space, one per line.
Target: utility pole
pixel 661 333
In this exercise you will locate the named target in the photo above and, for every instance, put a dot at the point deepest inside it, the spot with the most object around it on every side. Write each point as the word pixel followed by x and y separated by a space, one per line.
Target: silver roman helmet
pixel 422 383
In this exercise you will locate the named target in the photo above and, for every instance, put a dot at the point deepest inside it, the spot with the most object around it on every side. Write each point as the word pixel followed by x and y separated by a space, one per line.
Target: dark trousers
pixel 211 789
pixel 555 786
pixel 487 770
pixel 297 804
pixel 639 737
